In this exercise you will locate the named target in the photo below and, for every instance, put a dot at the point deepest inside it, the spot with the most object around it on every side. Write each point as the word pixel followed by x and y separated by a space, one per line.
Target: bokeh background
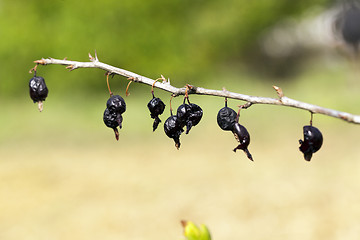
pixel 63 175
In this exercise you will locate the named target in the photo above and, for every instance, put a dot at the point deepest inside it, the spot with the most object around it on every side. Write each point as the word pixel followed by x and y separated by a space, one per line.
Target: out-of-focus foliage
pixel 182 39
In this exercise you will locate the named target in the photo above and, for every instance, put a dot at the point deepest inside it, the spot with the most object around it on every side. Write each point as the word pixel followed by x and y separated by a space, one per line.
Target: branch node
pixel 191 89
pixel 279 92
pixel 41 61
pixel 246 105
pixel 93 59
pixel 71 67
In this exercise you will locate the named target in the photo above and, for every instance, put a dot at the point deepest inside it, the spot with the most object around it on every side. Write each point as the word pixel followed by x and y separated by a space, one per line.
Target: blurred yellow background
pixel 64 176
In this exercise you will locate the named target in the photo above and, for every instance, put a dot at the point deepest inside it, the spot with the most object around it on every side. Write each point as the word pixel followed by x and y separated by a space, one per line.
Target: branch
pixel 166 86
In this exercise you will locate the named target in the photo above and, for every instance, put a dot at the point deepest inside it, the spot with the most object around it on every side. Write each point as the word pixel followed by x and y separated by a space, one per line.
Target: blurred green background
pixel 63 175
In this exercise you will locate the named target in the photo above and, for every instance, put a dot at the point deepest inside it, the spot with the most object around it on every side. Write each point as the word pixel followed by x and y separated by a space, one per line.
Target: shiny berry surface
pixel 183 113
pixel 112 119
pixel 243 137
pixel 312 142
pixel 156 107
pixel 38 89
pixel 226 118
pixel 194 116
pixel 173 129
pixel 116 104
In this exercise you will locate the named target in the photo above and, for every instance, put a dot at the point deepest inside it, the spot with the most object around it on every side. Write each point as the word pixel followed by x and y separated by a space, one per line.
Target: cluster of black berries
pixel 228 120
pixel 313 140
pixel 115 107
pixel 188 115
pixel 38 90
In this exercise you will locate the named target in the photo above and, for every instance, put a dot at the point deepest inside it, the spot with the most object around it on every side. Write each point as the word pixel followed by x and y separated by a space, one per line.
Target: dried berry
pixel 189 115
pixel 156 107
pixel 116 104
pixel 173 129
pixel 38 90
pixel 313 140
pixel 194 117
pixel 113 120
pixel 243 137
pixel 226 118
pixel 183 113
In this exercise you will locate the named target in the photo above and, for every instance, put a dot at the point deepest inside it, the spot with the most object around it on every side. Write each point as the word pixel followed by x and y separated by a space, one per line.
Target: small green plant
pixel 193 232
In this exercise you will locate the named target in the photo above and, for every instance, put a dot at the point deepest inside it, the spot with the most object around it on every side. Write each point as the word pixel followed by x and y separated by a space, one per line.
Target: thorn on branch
pixel 93 59
pixel 279 92
pixel 71 67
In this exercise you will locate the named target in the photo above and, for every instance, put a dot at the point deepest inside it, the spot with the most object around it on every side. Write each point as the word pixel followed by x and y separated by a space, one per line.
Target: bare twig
pixel 166 86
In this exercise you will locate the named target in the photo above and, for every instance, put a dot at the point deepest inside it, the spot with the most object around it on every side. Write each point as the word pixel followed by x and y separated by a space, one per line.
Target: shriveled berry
pixel 183 113
pixel 313 140
pixel 113 120
pixel 243 137
pixel 226 118
pixel 116 104
pixel 194 117
pixel 38 89
pixel 173 129
pixel 156 107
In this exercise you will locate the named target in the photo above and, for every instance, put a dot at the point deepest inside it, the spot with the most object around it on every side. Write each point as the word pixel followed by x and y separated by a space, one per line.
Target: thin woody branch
pixel 166 86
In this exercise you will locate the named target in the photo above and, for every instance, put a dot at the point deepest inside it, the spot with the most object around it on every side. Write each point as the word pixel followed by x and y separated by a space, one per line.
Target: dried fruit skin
pixel 226 118
pixel 183 113
pixel 156 107
pixel 116 104
pixel 38 89
pixel 195 116
pixel 189 115
pixel 313 140
pixel 173 129
pixel 243 137
pixel 112 119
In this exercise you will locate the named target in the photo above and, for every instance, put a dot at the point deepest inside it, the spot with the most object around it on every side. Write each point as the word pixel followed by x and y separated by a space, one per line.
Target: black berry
pixel 113 120
pixel 243 137
pixel 194 117
pixel 189 115
pixel 183 113
pixel 156 107
pixel 226 118
pixel 313 140
pixel 173 129
pixel 116 104
pixel 38 89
